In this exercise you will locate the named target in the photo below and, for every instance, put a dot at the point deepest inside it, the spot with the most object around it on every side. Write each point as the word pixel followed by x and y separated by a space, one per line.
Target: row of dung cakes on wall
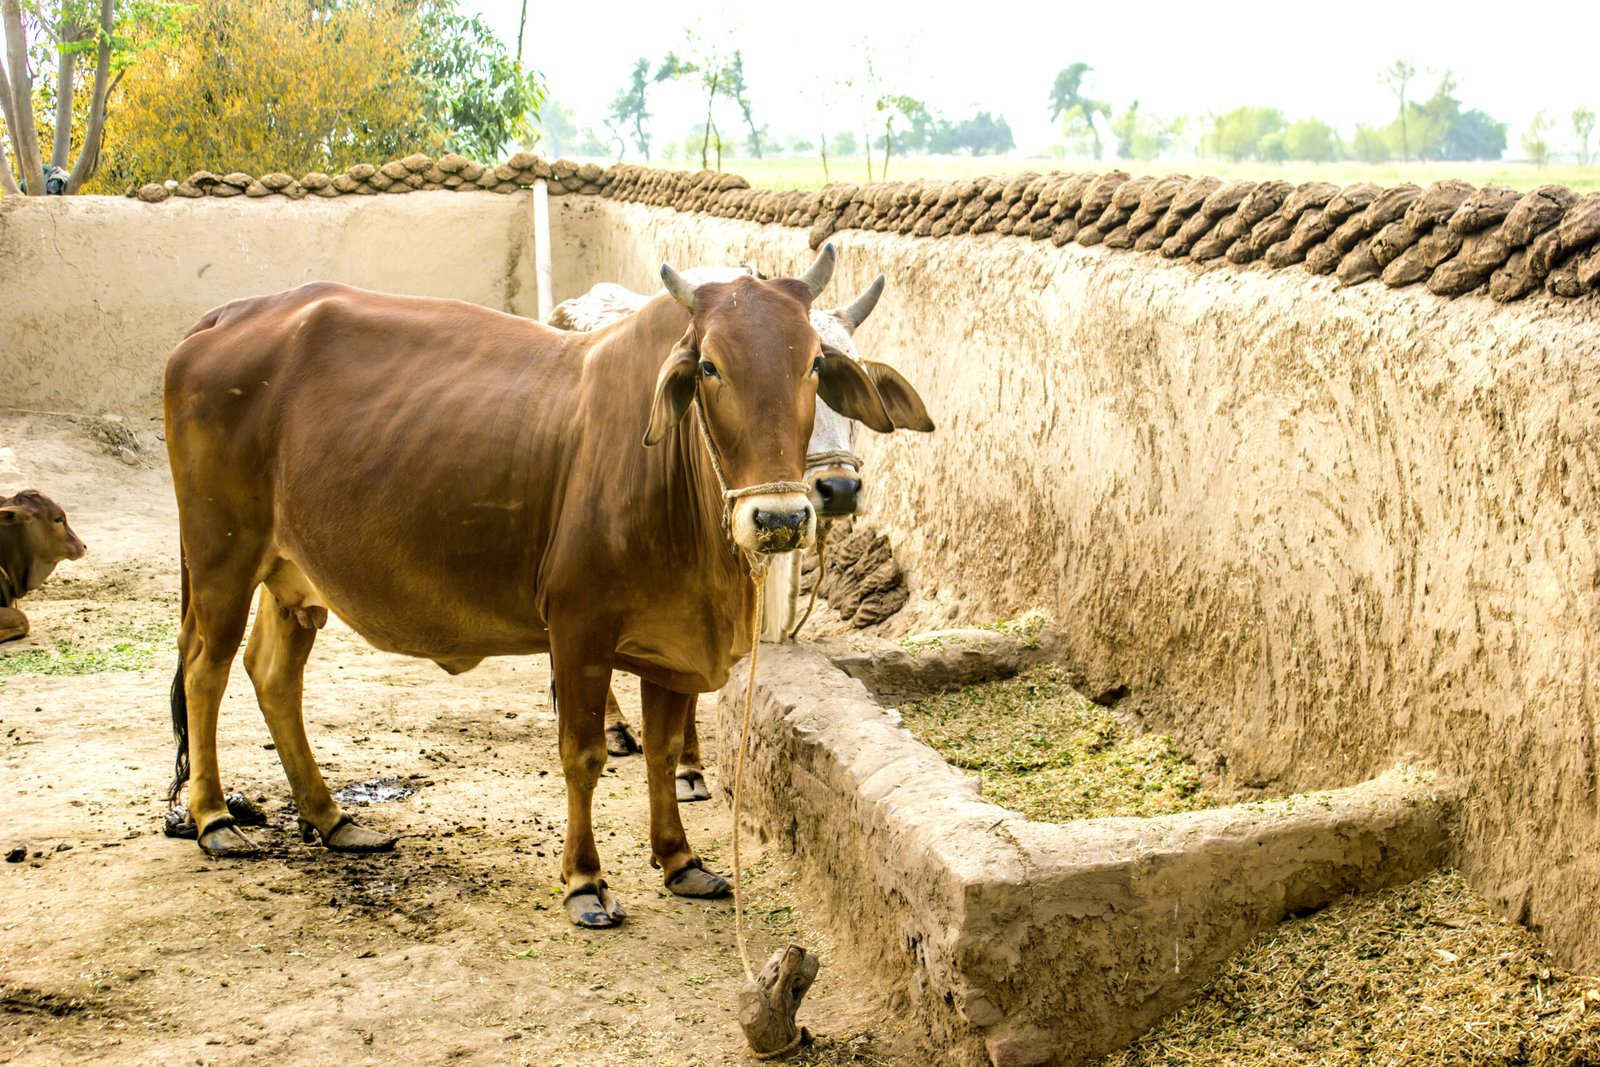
pixel 1450 236
pixel 413 173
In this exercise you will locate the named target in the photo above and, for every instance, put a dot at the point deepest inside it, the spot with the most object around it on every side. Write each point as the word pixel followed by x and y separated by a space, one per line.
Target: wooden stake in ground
pixel 769 1000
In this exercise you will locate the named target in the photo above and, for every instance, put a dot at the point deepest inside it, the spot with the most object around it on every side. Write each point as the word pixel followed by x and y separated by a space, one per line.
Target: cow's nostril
pixel 774 521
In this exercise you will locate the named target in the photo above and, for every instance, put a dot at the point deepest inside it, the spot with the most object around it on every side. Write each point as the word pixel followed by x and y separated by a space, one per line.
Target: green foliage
pixel 1077 111
pixel 557 133
pixel 1536 139
pixel 132 648
pixel 630 107
pixel 1141 135
pixel 1583 126
pixel 1312 140
pixel 473 90
pixel 1045 751
pixel 1370 145
pixel 1238 134
pixel 982 134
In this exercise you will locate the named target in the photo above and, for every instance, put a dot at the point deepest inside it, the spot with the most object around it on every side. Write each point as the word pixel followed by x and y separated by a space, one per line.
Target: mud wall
pixel 95 291
pixel 1313 530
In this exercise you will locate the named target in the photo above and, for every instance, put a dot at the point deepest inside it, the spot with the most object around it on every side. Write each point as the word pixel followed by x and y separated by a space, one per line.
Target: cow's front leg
pixel 581 679
pixel 691 772
pixel 667 716
pixel 620 738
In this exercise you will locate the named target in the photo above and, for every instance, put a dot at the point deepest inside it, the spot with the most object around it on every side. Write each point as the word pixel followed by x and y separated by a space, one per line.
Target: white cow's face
pixel 833 472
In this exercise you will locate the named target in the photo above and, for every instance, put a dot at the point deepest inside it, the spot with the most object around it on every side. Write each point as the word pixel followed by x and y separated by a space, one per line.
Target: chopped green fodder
pixel 1046 752
pixel 131 648
pixel 1421 974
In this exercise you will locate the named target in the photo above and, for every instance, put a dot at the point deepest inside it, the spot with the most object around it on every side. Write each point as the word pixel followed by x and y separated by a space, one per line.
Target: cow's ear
pixel 674 388
pixel 13 516
pixel 848 389
pixel 900 400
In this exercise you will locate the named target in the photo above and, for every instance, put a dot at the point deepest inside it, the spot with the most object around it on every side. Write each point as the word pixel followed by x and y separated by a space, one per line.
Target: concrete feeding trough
pixel 1017 942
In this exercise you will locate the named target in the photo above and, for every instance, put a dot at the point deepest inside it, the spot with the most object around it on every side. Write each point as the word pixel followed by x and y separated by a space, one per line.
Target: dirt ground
pixel 120 945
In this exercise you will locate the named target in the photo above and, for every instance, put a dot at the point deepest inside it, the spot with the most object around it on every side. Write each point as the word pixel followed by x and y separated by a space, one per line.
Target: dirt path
pixel 120 945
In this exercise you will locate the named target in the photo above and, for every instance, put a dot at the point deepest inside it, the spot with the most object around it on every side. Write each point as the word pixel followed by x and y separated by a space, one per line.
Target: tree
pixel 1583 126
pixel 736 90
pixel 892 104
pixel 559 134
pixel 1396 78
pixel 1370 145
pixel 273 85
pixel 1311 139
pixel 703 59
pixel 1535 139
pixel 628 107
pixel 1238 134
pixel 1474 135
pixel 981 135
pixel 1141 135
pixel 74 30
pixel 1067 99
pixel 473 90
pixel 845 143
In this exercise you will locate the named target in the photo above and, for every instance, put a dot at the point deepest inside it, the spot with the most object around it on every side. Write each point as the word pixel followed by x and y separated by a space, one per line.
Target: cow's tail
pixel 180 702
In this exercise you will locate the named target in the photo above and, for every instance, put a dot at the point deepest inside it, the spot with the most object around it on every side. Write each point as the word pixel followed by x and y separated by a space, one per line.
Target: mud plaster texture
pixel 1017 942
pixel 95 291
pixel 1312 531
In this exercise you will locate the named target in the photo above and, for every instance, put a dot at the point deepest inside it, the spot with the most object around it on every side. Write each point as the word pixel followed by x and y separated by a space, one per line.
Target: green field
pixel 807 173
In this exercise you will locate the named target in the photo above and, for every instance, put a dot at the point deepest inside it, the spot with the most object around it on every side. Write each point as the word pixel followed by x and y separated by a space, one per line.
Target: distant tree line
pixel 1437 128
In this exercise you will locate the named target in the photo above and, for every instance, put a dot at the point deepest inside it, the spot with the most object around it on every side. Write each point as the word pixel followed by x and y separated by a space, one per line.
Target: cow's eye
pixel 60 521
pixel 816 365
pixel 708 369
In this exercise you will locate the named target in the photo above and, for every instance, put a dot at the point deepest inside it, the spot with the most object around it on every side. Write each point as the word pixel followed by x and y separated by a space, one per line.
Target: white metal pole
pixel 541 247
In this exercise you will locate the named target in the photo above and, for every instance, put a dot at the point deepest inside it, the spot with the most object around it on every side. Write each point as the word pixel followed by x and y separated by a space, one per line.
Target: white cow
pixel 833 474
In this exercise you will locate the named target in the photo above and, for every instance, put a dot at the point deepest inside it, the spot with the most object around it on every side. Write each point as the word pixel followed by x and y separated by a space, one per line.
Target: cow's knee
pixel 13 624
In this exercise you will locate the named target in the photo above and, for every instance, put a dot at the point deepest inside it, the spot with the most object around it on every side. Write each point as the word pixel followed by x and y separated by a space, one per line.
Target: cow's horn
pixel 681 288
pixel 816 278
pixel 859 308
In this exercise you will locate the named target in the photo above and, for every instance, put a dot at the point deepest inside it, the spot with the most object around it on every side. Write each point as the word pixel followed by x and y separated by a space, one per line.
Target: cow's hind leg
pixel 215 610
pixel 620 738
pixel 667 716
pixel 275 658
pixel 691 779
pixel 581 673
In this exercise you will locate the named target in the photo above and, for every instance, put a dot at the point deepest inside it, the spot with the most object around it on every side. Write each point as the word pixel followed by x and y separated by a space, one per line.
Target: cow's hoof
pixel 349 836
pixel 692 787
pixel 694 880
pixel 620 740
pixel 221 838
pixel 594 907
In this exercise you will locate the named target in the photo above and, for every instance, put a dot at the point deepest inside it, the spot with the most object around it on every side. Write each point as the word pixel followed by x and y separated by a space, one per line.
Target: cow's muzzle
pixel 773 522
pixel 836 495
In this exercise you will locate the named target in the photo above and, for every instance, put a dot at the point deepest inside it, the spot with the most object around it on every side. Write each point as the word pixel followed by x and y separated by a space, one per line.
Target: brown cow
pixel 833 473
pixel 34 537
pixel 457 483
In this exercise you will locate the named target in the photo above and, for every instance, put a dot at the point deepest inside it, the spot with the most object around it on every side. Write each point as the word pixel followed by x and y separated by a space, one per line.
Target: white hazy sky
pixel 1174 58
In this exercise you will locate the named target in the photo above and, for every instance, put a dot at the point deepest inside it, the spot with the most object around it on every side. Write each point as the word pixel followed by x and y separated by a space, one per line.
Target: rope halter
pixel 729 496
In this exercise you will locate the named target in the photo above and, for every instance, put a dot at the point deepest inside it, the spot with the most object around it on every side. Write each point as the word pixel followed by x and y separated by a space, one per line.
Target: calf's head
pixel 40 536
pixel 752 360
